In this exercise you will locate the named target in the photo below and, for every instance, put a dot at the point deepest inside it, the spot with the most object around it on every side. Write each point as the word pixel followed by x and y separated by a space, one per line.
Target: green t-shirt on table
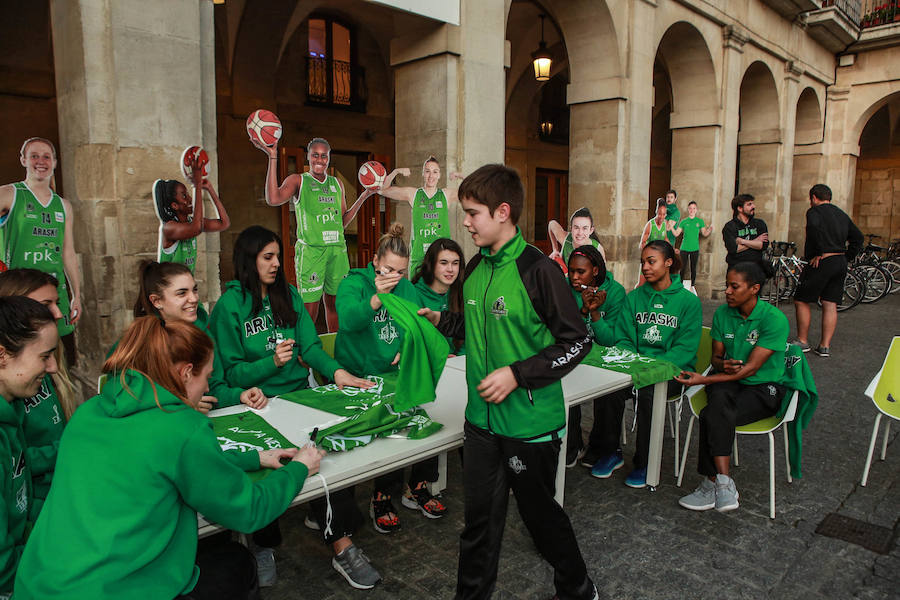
pixel 766 326
pixel 690 228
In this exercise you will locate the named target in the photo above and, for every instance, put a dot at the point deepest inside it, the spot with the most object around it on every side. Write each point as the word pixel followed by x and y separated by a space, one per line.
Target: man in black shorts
pixel 831 240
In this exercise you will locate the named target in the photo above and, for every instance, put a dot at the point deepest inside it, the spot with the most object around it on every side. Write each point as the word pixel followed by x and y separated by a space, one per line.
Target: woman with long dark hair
pixel 439 281
pixel 265 337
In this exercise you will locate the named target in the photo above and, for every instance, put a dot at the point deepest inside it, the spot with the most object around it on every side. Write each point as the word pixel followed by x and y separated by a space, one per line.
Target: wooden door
pixel 373 218
pixel 550 203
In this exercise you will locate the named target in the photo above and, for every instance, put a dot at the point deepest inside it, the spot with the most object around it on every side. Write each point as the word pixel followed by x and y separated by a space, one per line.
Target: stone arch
pixel 808 123
pixel 876 198
pixel 759 107
pixel 866 103
pixel 693 120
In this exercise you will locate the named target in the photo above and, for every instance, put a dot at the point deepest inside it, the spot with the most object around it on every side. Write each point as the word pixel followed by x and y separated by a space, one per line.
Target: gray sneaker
pixel 265 567
pixel 726 493
pixel 805 347
pixel 703 498
pixel 356 569
pixel 823 351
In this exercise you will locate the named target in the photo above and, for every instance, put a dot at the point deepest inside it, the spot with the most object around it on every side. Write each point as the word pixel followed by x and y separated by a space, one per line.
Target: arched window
pixel 333 76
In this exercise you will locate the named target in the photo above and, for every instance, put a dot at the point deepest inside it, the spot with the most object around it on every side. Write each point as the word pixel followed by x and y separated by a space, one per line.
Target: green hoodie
pixel 367 340
pixel 42 424
pixel 17 494
pixel 603 330
pixel 133 471
pixel 218 387
pixel 245 344
pixel 664 324
pixel 428 298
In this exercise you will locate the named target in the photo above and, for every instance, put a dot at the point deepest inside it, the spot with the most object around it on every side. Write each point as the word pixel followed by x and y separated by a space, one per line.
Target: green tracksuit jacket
pixel 603 331
pixel 520 313
pixel 121 519
pixel 664 325
pixel 367 340
pixel 17 496
pixel 42 424
pixel 245 344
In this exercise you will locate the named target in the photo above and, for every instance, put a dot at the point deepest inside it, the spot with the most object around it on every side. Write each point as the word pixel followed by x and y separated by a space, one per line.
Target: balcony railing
pixel 879 12
pixel 335 83
pixel 851 8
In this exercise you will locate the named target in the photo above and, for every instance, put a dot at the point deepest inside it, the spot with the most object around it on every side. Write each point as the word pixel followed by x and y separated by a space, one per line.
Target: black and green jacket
pixel 519 312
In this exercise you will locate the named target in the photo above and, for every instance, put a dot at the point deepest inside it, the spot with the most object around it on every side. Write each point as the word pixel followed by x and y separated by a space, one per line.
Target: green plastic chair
pixel 328 346
pixel 885 393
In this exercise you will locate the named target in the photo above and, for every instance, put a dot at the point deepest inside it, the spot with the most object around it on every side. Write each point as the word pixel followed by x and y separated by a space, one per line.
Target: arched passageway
pixel 807 161
pixel 876 206
pixel 759 141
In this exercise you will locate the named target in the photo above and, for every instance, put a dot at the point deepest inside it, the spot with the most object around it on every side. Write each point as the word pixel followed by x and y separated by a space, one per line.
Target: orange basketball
pixel 187 157
pixel 264 127
pixel 371 175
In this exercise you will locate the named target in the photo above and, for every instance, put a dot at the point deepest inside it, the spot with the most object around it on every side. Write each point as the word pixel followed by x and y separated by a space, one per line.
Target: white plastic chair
pixel 763 426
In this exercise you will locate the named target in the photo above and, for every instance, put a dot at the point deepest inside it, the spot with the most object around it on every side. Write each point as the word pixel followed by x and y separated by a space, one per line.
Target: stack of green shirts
pixel 644 370
pixel 370 414
pixel 248 432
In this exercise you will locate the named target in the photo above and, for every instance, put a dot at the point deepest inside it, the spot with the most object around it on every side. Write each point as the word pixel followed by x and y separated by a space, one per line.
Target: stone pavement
pixel 641 544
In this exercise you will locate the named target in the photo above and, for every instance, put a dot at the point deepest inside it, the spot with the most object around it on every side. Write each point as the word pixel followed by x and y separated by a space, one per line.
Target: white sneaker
pixel 703 498
pixel 726 493
pixel 265 567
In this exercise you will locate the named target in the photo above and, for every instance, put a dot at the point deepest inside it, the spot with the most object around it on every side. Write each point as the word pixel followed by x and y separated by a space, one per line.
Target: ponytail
pixel 392 242
pixel 154 277
pixel 152 347
pixel 668 252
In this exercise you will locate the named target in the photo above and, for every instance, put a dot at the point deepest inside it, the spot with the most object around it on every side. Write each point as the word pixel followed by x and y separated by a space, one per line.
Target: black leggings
pixel 227 572
pixel 689 260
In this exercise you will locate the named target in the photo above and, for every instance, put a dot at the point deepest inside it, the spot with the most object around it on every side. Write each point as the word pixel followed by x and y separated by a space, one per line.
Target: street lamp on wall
pixel 546 127
pixel 542 59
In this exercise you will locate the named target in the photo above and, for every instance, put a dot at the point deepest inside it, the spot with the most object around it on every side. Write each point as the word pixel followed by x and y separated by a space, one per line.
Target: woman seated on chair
pixel 662 320
pixel 136 464
pixel 264 337
pixel 749 338
pixel 368 341
pixel 168 291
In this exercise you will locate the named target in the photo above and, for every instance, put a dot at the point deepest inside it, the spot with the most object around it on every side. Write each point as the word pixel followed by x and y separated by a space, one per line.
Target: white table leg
pixel 441 484
pixel 657 427
pixel 561 470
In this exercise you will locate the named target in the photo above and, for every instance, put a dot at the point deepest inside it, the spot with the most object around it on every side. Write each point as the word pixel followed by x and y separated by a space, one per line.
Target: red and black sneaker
pixel 383 514
pixel 422 500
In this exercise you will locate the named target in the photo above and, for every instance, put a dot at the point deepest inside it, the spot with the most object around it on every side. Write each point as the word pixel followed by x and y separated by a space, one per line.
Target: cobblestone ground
pixel 641 544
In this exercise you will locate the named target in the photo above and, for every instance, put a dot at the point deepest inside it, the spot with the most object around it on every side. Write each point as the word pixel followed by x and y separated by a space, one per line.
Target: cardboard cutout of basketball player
pixel 430 208
pixel 37 228
pixel 321 211
pixel 181 218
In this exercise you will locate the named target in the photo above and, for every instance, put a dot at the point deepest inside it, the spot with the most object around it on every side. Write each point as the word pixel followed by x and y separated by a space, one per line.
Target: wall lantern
pixel 546 127
pixel 541 58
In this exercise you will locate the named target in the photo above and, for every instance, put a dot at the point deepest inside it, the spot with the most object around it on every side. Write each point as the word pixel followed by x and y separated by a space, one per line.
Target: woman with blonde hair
pixel 45 414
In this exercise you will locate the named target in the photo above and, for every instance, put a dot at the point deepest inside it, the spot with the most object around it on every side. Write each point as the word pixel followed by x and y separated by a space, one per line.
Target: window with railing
pixel 879 12
pixel 332 75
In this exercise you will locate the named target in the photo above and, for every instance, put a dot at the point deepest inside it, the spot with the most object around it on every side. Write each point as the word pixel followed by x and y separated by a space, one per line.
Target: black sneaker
pixel 822 351
pixel 590 457
pixel 381 510
pixel 573 456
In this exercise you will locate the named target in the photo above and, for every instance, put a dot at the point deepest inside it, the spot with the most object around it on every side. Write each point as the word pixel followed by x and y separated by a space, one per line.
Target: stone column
pixel 733 40
pixel 789 97
pixel 460 118
pixel 840 153
pixel 135 86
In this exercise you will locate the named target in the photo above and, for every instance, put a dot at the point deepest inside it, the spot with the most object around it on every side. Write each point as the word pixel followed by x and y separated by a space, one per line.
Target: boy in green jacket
pixel 523 334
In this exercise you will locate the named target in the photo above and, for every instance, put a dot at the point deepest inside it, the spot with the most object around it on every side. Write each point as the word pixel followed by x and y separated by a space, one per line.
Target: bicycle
pixel 878 279
pixel 787 268
pixel 888 258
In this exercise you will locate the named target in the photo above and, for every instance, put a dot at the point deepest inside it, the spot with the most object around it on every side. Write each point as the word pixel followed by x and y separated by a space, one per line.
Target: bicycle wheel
pixel 769 290
pixel 878 282
pixel 892 267
pixel 854 289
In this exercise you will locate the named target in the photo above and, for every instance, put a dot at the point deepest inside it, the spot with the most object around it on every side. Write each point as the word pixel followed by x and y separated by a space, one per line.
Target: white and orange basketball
pixel 371 175
pixel 188 156
pixel 264 127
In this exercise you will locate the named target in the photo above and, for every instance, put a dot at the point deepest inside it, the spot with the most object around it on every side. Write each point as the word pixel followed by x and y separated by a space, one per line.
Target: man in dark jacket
pixel 831 240
pixel 745 236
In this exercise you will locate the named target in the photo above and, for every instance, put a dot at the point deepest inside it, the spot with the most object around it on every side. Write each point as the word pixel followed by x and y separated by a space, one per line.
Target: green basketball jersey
pixel 569 247
pixel 430 221
pixel 182 251
pixel 657 233
pixel 34 235
pixel 318 212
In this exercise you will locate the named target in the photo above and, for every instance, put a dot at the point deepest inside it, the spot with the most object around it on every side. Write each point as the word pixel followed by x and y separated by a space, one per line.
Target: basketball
pixel 371 175
pixel 188 156
pixel 264 127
